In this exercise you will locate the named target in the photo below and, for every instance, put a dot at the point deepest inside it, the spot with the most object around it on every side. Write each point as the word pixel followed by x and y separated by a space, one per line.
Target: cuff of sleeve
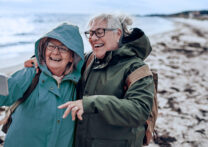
pixel 89 104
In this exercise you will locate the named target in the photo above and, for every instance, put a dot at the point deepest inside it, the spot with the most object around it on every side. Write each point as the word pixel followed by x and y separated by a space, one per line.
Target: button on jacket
pixel 38 122
pixel 113 116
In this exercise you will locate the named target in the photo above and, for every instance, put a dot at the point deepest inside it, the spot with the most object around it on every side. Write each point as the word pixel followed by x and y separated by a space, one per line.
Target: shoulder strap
pixel 27 92
pixel 89 62
pixel 138 74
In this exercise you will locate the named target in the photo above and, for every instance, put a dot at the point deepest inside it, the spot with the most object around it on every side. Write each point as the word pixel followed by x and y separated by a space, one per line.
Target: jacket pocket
pixel 109 143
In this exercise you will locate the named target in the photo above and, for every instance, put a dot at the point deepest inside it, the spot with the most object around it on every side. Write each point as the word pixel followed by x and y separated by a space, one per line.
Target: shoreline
pixel 11 69
pixel 180 57
pixel 11 65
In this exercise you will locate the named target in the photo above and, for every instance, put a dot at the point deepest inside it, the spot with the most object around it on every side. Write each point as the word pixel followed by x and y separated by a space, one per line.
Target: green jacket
pixel 112 116
pixel 38 122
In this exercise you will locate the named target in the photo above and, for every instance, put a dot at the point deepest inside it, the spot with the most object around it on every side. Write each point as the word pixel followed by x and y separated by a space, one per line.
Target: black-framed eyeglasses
pixel 100 32
pixel 52 47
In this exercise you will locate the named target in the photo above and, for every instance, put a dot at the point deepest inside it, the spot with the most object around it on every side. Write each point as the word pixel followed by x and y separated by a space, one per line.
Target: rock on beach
pixel 180 58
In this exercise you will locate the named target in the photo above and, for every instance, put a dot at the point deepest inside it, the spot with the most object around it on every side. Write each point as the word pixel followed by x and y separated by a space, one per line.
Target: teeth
pixel 54 59
pixel 98 45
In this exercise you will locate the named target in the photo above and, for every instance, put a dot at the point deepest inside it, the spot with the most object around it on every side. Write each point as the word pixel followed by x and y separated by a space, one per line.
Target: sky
pixel 140 7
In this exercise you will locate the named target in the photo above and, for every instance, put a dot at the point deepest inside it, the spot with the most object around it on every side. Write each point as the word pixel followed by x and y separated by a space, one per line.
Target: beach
pixel 180 57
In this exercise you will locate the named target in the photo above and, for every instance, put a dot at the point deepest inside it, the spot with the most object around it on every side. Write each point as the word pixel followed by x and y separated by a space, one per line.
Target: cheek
pixel 47 55
pixel 90 42
pixel 67 59
pixel 110 44
pixel 113 42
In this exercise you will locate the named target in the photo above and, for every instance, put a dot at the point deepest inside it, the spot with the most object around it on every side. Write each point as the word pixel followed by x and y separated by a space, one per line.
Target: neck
pixel 57 73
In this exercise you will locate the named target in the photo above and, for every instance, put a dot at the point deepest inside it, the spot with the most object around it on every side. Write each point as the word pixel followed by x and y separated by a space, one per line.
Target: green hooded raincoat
pixel 38 122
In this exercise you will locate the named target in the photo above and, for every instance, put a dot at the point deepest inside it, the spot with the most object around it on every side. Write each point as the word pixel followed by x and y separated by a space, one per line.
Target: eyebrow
pixel 96 29
pixel 57 45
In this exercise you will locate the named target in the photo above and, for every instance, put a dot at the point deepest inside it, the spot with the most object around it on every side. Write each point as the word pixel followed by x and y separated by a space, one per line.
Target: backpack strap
pixel 138 74
pixel 27 92
pixel 89 62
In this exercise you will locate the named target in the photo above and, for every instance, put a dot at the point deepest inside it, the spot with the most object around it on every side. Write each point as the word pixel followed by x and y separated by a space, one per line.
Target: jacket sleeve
pixel 17 85
pixel 130 111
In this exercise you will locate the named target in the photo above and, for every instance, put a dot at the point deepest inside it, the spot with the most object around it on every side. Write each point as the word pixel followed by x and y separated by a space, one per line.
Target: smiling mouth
pixel 55 59
pixel 98 45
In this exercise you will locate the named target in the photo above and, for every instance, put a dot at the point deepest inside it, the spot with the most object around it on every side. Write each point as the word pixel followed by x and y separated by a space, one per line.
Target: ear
pixel 119 32
pixel 71 57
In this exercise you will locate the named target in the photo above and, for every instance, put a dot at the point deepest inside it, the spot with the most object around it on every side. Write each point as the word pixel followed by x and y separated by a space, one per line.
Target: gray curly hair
pixel 120 21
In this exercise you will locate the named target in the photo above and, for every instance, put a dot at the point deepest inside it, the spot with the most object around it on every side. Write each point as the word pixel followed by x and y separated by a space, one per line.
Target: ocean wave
pixel 25 34
pixel 16 43
pixel 19 32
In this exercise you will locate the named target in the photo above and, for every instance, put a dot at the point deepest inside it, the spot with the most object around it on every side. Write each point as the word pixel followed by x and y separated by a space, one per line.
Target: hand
pixel 75 107
pixel 32 62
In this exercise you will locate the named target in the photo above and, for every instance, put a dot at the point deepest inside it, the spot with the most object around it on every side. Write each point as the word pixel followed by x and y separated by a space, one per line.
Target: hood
pixel 136 44
pixel 70 36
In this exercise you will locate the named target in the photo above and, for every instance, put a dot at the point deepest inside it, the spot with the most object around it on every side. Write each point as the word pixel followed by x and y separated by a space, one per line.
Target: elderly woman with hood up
pixel 38 122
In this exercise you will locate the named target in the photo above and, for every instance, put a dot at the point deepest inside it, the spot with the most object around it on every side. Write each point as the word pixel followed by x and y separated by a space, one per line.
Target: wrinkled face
pixel 106 43
pixel 57 57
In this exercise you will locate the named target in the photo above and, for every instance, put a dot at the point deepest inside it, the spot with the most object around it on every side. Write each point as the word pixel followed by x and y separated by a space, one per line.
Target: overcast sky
pixel 93 6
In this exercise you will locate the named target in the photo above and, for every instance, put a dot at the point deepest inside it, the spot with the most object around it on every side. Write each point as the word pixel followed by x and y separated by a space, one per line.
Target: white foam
pixel 19 32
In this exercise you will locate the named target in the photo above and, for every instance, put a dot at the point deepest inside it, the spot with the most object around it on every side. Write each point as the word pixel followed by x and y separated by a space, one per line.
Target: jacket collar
pixel 102 63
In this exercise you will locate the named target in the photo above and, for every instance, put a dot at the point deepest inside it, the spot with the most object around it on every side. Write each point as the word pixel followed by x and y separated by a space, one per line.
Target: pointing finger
pixel 64 105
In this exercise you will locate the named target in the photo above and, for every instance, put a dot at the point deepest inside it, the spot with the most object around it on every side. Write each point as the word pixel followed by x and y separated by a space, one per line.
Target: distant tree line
pixel 202 14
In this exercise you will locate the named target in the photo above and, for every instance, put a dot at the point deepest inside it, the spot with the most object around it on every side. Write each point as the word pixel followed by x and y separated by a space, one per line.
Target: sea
pixel 18 32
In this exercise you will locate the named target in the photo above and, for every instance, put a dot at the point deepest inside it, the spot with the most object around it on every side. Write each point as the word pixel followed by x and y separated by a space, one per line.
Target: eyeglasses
pixel 52 47
pixel 100 32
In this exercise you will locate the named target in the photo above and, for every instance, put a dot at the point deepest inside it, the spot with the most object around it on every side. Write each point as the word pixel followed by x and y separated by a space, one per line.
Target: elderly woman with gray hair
pixel 109 113
pixel 37 122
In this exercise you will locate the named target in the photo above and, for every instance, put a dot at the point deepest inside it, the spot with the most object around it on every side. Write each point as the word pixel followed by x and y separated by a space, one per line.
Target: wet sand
pixel 181 59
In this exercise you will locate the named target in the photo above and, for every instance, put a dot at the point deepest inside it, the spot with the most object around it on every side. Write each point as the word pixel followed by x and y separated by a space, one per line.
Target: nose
pixel 93 37
pixel 56 50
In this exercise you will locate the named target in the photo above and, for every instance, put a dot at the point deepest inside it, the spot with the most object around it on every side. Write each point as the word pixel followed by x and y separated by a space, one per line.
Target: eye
pixel 99 31
pixel 51 46
pixel 64 49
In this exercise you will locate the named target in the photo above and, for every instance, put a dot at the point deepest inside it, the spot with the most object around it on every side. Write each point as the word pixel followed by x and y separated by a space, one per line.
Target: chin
pixel 52 68
pixel 99 55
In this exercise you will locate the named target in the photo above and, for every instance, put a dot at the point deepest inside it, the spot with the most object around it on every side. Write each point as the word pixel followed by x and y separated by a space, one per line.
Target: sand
pixel 10 70
pixel 180 57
